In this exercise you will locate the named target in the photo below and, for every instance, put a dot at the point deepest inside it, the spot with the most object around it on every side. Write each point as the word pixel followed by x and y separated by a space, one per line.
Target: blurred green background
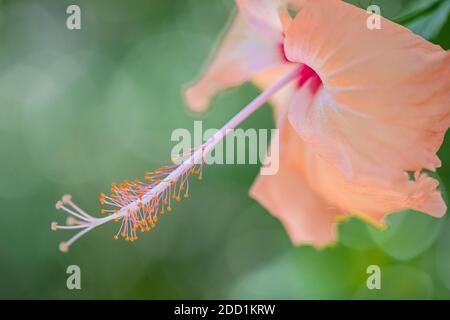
pixel 80 109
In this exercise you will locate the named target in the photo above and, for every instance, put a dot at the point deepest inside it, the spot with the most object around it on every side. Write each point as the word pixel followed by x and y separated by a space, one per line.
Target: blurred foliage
pixel 79 109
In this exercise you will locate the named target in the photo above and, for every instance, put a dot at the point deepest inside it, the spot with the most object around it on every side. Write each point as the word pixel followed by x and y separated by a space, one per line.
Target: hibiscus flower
pixel 365 117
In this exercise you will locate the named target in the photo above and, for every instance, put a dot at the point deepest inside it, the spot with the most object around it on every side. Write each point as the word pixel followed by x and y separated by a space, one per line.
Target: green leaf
pixel 389 8
pixel 430 24
pixel 415 9
pixel 399 282
pixel 354 234
pixel 409 234
pixel 302 273
pixel 443 257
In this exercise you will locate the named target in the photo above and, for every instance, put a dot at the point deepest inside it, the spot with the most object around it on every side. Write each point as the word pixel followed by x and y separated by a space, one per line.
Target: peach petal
pixel 251 45
pixel 310 196
pixel 306 216
pixel 263 15
pixel 384 106
pixel 267 77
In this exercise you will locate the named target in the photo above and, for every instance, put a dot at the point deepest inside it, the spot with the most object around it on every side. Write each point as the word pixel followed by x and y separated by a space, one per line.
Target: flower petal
pixel 383 109
pixel 307 217
pixel 309 195
pixel 252 44
pixel 281 99
pixel 263 15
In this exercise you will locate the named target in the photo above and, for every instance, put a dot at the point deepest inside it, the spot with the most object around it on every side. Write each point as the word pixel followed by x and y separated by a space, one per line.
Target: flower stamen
pixel 137 204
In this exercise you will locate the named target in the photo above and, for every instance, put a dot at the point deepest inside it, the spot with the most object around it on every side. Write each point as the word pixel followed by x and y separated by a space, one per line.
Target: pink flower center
pixel 305 73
